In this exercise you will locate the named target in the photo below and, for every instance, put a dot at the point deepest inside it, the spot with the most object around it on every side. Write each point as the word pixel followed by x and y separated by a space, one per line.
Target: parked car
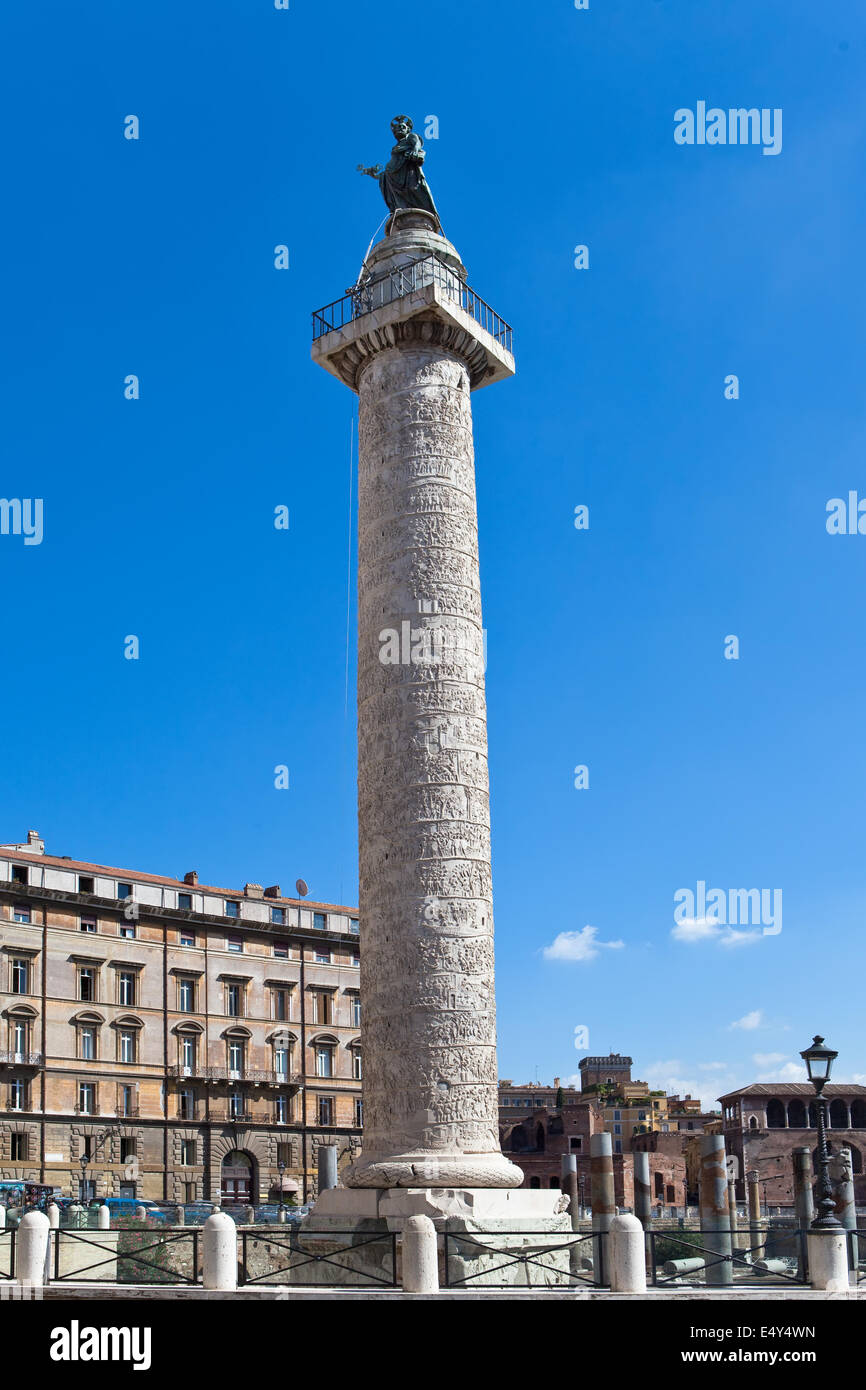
pixel 127 1206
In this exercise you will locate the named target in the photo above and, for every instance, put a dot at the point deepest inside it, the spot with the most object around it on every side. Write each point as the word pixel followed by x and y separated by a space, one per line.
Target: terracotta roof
pixel 793 1088
pixel 81 866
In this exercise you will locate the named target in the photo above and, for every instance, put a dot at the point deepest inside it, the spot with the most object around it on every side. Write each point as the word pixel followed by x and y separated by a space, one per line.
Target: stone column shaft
pixel 603 1200
pixel 715 1216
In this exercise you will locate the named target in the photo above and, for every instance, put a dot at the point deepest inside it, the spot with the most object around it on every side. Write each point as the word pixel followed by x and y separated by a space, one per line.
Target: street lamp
pixel 83 1160
pixel 819 1061
pixel 281 1168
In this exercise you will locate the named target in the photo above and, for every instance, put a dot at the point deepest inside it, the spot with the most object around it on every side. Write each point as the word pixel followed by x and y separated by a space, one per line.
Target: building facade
pixel 763 1123
pixel 164 1039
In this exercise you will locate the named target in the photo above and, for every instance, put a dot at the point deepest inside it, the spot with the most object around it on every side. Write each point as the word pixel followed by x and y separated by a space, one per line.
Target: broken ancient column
pixel 603 1201
pixel 643 1208
pixel 842 1178
pixel 414 342
pixel 804 1204
pixel 715 1217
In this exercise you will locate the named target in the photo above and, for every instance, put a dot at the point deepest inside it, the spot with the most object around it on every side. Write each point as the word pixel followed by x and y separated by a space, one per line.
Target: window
pixel 85 883
pixel 281 950
pixel 20 1039
pixel 359 1112
pixel 320 921
pixel 617 1129
pixel 235 944
pixel 86 1098
pixel 281 1114
pixel 187 1153
pixel 280 1004
pixel 127 1150
pixel 281 1059
pixel 190 1192
pixel 236 1105
pixel 325 1110
pixel 20 873
pixel 187 938
pixel 88 924
pixel 186 995
pixel 324 1059
pixel 127 930
pixel 18 1095
pixel 236 1056
pixel 575 1143
pixel 87 1044
pixel 184 902
pixel 323 956
pixel 126 987
pixel 127 1189
pixel 354 925
pixel 18 1149
pixel 356 1010
pixel 186 1105
pixel 355 959
pixel 20 975
pixel 124 890
pixel 617 1146
pixel 233 1001
pixel 127 1045
pixel 617 1114
pixel 21 913
pixel 187 1052
pixel 356 1063
pixel 278 916
pixel 321 1002
pixel 231 908
pixel 87 984
pixel 284 1154
pixel 126 1103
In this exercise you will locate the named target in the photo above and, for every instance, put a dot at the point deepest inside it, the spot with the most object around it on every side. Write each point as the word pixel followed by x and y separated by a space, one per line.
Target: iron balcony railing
pixel 255 1076
pixel 379 290
pixel 20 1059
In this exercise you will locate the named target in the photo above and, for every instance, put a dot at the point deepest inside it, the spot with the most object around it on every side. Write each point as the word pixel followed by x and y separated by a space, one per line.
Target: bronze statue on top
pixel 402 180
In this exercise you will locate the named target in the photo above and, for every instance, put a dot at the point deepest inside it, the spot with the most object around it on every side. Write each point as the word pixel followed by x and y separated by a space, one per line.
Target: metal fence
pixel 525 1259
pixel 134 1255
pixel 687 1258
pixel 394 284
pixel 7 1254
pixel 304 1259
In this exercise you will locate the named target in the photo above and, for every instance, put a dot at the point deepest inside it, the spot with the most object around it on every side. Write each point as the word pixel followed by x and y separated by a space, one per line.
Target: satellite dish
pixel 302 888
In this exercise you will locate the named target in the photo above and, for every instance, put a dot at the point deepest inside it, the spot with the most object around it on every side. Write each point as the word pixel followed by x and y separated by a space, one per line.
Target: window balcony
pixel 24 1107
pixel 251 1076
pixel 20 1059
pixel 222 1116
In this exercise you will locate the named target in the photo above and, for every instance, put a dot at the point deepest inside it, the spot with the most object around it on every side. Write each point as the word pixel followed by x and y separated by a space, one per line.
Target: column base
pixel 490 1170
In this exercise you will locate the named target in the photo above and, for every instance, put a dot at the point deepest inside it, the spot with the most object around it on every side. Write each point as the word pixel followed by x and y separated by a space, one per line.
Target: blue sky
pixel 605 646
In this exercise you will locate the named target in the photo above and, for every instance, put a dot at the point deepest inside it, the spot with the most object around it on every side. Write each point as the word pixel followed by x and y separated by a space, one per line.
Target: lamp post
pixel 83 1160
pixel 281 1168
pixel 819 1061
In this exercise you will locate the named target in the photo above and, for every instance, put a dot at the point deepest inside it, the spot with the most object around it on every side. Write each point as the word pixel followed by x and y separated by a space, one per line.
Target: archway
pixel 237 1178
pixel 775 1114
pixel 838 1114
pixel 797 1118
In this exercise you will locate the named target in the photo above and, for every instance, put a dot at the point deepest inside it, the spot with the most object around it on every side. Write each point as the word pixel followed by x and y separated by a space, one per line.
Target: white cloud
pixel 767 1059
pixel 694 929
pixel 749 1021
pixel 791 1071
pixel 712 1066
pixel 579 945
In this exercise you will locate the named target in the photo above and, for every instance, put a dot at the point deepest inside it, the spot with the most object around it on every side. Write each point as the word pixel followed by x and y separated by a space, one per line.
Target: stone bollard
pixel 31 1249
pixel 54 1216
pixel 250 1215
pixel 420 1256
pixel 626 1256
pixel 842 1179
pixel 326 1161
pixel 602 1199
pixel 179 1216
pixel 219 1252
pixel 141 1215
pixel 643 1198
pixel 103 1218
pixel 282 1215
pixel 2 1217
pixel 75 1217
pixel 828 1259
pixel 715 1217
pixel 804 1206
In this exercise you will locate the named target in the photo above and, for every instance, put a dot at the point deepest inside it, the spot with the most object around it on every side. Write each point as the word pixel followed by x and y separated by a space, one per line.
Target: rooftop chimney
pixel 253 890
pixel 191 877
pixel 273 891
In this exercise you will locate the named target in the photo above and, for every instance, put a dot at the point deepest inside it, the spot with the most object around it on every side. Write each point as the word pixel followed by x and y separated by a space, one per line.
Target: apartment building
pixel 165 1039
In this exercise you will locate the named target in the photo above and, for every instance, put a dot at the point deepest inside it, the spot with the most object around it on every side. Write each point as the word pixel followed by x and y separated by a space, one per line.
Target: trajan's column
pixel 414 341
